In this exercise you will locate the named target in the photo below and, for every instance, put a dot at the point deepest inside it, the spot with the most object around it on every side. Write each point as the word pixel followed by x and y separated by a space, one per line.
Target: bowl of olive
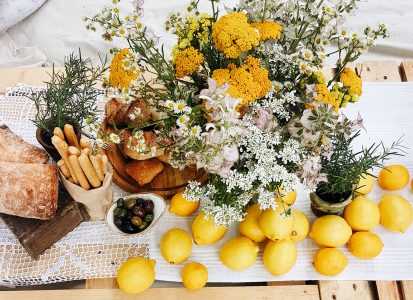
pixel 135 214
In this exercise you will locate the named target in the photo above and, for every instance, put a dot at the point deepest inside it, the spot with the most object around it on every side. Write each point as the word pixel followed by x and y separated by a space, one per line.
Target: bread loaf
pixel 144 171
pixel 138 113
pixel 14 149
pixel 28 190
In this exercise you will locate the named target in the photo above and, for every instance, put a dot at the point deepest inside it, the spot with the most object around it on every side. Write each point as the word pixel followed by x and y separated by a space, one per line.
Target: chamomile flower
pixel 170 104
pixel 343 32
pixel 182 121
pixel 140 148
pixel 195 131
pixel 126 64
pixel 138 134
pixel 277 86
pixel 288 85
pixel 307 54
pixel 180 107
pixel 122 31
pixel 114 138
pixel 116 10
pixel 322 55
pixel 303 66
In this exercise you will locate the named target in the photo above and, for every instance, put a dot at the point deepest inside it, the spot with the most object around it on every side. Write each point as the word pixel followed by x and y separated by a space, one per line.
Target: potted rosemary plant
pixel 69 97
pixel 343 171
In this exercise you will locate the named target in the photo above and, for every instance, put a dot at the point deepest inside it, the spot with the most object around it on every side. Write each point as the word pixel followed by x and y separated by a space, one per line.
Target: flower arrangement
pixel 242 94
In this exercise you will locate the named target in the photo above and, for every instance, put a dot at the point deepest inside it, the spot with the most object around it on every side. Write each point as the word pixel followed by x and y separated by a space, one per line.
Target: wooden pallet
pixel 370 71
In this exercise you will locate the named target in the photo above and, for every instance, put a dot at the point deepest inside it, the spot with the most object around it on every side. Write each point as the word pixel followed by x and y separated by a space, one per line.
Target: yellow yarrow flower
pixel 268 30
pixel 325 96
pixel 187 61
pixel 350 79
pixel 233 35
pixel 248 82
pixel 118 76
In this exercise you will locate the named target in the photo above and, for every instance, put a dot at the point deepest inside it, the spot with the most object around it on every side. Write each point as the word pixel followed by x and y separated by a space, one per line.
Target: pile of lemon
pixel 277 231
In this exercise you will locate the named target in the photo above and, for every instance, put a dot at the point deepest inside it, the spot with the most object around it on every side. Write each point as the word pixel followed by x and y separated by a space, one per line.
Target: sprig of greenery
pixel 70 96
pixel 344 168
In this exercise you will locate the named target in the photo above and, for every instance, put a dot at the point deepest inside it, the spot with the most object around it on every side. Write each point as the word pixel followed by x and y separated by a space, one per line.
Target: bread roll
pixel 144 171
pixel 137 113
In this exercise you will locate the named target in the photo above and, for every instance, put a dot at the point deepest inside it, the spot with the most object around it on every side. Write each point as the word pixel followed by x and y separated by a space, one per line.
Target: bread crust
pixel 144 171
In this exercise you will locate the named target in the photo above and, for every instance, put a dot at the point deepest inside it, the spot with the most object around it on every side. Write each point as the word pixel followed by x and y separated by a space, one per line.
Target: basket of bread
pixel 84 171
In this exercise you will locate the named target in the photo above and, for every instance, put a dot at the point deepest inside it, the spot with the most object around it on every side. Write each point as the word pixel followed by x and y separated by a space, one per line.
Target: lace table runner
pixel 90 251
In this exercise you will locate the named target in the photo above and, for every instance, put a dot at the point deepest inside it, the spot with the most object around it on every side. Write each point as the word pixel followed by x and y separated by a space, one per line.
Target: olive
pixel 120 203
pixel 130 203
pixel 148 206
pixel 140 201
pixel 116 211
pixel 149 218
pixel 143 226
pixel 137 221
pixel 138 211
pixel 118 222
pixel 129 228
pixel 121 213
pixel 128 215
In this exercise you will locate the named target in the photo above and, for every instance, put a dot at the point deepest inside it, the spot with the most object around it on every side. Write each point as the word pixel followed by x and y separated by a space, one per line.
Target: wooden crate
pixel 373 71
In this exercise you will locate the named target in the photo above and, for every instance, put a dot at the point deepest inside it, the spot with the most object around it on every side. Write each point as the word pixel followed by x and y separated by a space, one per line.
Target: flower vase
pixel 321 205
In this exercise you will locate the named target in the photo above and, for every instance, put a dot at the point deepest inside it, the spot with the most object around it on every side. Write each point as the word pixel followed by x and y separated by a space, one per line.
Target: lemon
pixel 205 232
pixel 330 261
pixel 279 257
pixel 393 177
pixel 396 213
pixel 176 246
pixel 136 275
pixel 239 253
pixel 274 224
pixel 362 214
pixel 250 227
pixel 194 276
pixel 301 226
pixel 365 185
pixel 365 244
pixel 287 198
pixel 330 231
pixel 182 207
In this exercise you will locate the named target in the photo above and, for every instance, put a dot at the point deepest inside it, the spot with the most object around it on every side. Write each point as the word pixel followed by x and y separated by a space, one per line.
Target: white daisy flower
pixel 126 64
pixel 277 86
pixel 122 31
pixel 288 84
pixel 170 104
pixel 139 148
pixel 322 55
pixel 182 120
pixel 195 131
pixel 114 138
pixel 180 107
pixel 303 66
pixel 307 54
pixel 138 134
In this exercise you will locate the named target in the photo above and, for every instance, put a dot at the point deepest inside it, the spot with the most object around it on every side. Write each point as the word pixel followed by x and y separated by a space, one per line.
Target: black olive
pixel 120 203
pixel 129 228
pixel 137 221
pixel 149 218
pixel 130 203
pixel 118 222
pixel 138 211
pixel 140 201
pixel 143 226
pixel 148 206
pixel 121 213
pixel 128 214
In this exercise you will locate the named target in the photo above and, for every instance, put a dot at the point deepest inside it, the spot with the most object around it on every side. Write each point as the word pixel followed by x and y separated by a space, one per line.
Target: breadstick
pixel 85 144
pixel 104 163
pixel 79 173
pixel 63 168
pixel 74 151
pixel 58 131
pixel 71 136
pixel 95 160
pixel 86 151
pixel 89 171
pixel 62 147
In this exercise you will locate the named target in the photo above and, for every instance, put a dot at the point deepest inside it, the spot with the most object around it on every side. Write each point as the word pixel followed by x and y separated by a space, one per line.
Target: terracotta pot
pixel 321 207
pixel 46 142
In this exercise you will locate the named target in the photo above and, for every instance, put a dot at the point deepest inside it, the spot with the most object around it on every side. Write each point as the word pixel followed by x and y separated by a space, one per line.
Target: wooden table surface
pixel 370 71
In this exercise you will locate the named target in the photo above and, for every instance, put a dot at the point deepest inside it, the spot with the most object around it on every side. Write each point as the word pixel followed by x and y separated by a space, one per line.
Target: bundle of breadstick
pixel 79 164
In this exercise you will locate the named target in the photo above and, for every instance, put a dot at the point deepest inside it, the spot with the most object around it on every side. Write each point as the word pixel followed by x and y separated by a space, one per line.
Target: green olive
pixel 120 203
pixel 143 226
pixel 130 203
pixel 121 213
pixel 137 221
pixel 149 218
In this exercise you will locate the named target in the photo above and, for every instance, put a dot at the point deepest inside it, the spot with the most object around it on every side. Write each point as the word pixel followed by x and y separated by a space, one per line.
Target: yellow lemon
pixel 330 231
pixel 365 244
pixel 279 257
pixel 287 198
pixel 330 261
pixel 301 226
pixel 365 185
pixel 250 227
pixel 393 177
pixel 205 231
pixel 194 276
pixel 182 207
pixel 274 224
pixel 176 246
pixel 136 275
pixel 239 253
pixel 396 213
pixel 362 214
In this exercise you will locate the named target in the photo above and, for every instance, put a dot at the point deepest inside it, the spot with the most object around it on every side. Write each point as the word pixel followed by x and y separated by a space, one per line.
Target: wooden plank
pixel 309 292
pixel 388 290
pixel 340 290
pixel 101 283
pixel 407 289
pixel 406 69
pixel 285 283
pixel 379 71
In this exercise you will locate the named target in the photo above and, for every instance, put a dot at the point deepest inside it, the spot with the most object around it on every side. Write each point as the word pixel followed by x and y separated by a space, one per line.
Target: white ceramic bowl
pixel 158 210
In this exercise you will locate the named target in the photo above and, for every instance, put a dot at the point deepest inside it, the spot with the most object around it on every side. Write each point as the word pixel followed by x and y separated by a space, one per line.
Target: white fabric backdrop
pixel 57 28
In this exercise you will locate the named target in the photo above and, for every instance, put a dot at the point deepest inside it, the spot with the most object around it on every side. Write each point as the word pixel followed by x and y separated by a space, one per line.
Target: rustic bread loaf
pixel 144 171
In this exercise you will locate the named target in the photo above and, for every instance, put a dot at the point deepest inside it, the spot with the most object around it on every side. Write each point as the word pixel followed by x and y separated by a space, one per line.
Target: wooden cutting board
pixel 36 236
